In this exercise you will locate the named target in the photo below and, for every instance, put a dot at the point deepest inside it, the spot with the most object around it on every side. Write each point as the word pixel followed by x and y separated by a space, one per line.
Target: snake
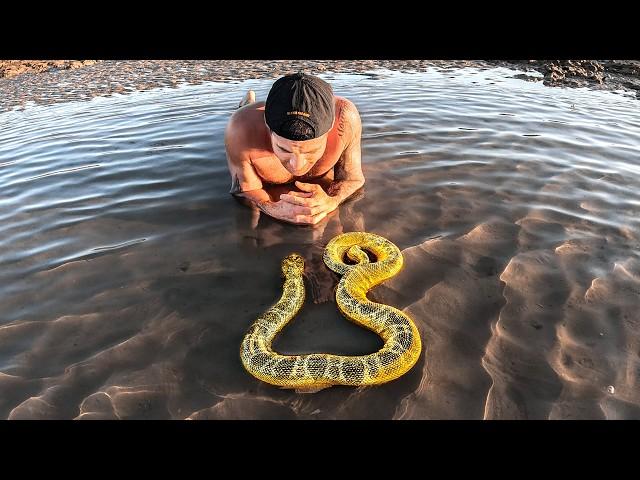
pixel 316 371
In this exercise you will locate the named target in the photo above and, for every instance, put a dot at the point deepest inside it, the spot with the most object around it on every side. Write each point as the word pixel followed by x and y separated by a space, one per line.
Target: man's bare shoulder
pixel 349 122
pixel 345 103
pixel 245 130
pixel 246 118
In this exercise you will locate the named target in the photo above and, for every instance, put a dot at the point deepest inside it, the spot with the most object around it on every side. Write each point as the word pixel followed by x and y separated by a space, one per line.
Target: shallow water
pixel 128 275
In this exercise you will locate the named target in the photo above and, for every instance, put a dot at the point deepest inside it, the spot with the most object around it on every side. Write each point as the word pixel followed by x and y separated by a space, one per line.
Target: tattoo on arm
pixel 343 189
pixel 341 122
pixel 333 189
pixel 263 206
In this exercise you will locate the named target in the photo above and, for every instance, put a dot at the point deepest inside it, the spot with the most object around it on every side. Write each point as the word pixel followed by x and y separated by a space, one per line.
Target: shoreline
pixel 14 68
pixel 602 74
pixel 52 81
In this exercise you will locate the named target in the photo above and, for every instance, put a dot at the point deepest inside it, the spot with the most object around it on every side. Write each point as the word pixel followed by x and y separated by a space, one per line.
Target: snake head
pixel 356 254
pixel 292 265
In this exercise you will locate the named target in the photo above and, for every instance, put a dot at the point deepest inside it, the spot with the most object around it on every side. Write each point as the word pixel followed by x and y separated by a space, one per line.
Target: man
pixel 302 136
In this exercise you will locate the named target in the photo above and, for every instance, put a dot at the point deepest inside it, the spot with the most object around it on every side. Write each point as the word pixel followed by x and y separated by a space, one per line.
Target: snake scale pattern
pixel 315 371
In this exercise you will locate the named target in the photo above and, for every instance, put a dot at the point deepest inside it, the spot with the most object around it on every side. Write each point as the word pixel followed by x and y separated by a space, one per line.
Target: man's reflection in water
pixel 257 231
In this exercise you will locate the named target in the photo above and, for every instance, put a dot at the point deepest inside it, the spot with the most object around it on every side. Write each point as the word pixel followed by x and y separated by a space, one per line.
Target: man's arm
pixel 348 171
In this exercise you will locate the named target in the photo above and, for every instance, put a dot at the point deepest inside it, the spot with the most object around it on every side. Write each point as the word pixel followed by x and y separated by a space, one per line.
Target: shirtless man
pixel 302 136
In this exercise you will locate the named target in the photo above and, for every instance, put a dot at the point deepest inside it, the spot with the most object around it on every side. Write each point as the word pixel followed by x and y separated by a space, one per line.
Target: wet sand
pixel 129 275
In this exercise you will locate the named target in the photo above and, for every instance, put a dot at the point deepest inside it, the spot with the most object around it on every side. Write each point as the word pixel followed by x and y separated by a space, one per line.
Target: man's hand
pixel 311 205
pixel 282 209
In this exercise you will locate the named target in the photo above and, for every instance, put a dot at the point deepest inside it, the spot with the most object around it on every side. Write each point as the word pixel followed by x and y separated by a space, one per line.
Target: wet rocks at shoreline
pixel 600 74
pixel 13 68
pixel 52 81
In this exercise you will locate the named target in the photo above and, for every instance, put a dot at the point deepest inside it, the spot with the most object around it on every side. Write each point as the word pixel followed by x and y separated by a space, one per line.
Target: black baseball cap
pixel 303 97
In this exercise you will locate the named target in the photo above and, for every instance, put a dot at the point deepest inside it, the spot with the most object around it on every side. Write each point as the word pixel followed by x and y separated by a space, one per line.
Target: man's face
pixel 298 157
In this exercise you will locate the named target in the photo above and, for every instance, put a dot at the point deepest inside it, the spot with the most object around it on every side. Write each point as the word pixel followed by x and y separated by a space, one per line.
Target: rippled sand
pixel 129 275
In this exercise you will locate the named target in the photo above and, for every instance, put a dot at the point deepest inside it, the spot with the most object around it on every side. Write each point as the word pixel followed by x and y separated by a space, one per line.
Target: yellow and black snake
pixel 312 372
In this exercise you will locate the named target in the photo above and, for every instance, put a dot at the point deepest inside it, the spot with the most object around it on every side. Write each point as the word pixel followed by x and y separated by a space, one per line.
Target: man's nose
pixel 297 162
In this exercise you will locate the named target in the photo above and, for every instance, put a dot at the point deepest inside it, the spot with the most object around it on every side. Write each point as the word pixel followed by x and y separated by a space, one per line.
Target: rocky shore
pixel 51 81
pixel 605 74
pixel 13 68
